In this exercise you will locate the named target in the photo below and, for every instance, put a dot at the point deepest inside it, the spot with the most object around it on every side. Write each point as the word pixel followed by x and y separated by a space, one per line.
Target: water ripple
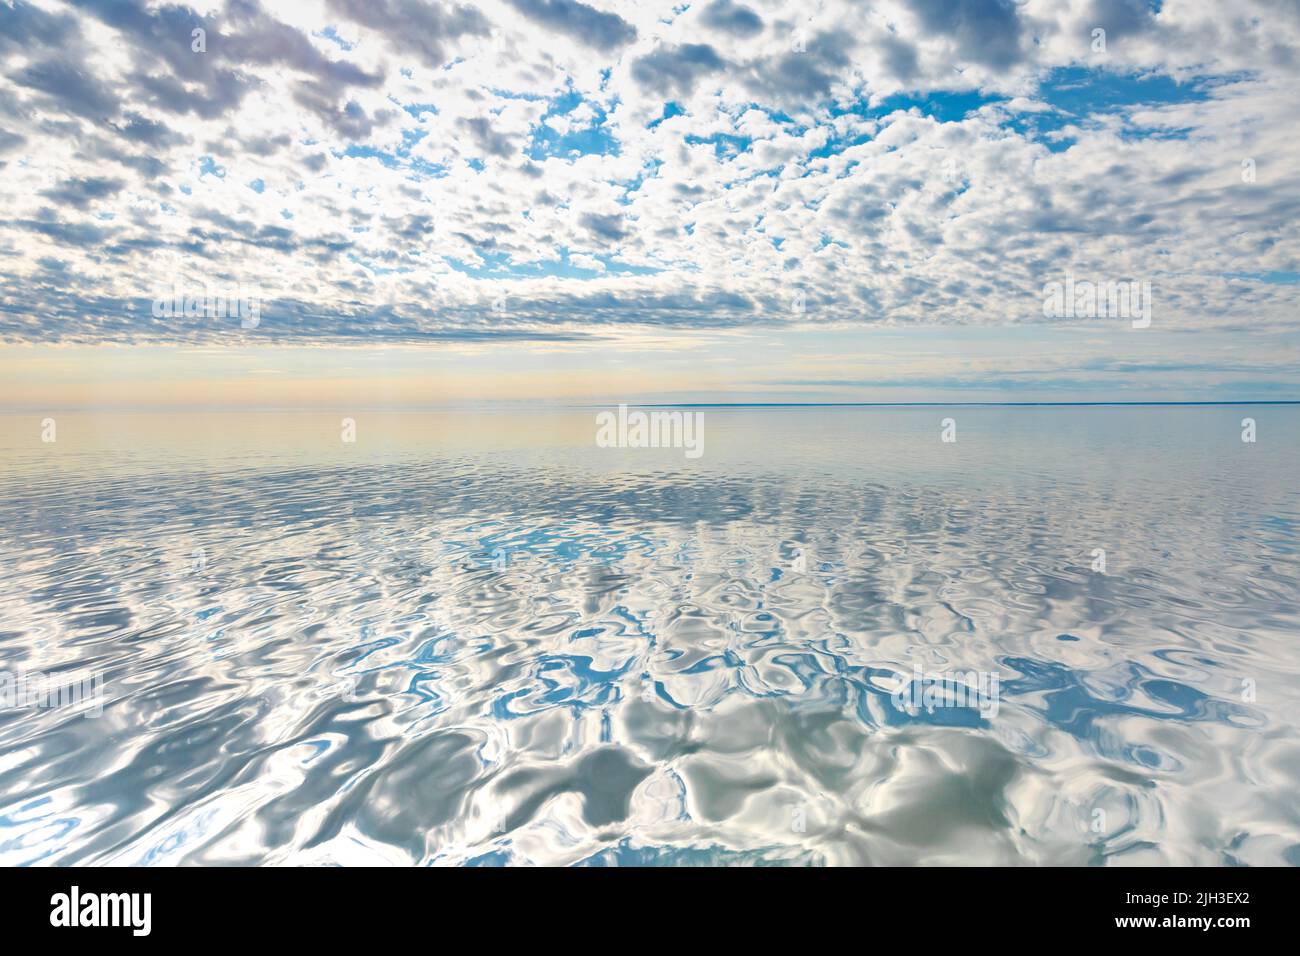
pixel 497 648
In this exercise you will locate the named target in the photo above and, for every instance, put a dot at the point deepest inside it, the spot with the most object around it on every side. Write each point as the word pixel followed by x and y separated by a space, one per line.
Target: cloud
pixel 733 18
pixel 24 25
pixel 10 141
pixel 147 132
pixel 349 119
pixel 491 140
pixel 797 77
pixel 422 28
pixel 983 31
pixel 609 227
pixel 592 27
pixel 899 58
pixel 80 193
pixel 605 168
pixel 76 90
pixel 675 70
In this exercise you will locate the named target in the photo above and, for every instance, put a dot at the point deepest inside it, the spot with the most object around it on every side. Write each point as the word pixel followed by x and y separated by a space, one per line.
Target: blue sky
pixel 594 187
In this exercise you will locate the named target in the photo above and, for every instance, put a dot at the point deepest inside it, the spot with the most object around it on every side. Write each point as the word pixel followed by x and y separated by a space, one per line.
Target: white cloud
pixel 912 162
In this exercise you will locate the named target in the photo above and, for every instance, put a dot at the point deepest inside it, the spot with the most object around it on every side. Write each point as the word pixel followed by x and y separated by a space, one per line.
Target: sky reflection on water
pixel 476 637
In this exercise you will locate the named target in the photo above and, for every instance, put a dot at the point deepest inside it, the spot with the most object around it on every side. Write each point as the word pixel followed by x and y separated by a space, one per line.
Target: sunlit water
pixel 479 638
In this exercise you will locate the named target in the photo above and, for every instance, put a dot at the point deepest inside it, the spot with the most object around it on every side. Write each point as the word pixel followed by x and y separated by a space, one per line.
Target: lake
pixel 834 636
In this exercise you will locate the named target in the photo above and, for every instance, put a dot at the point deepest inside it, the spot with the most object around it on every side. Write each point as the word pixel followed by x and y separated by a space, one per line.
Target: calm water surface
pixel 477 638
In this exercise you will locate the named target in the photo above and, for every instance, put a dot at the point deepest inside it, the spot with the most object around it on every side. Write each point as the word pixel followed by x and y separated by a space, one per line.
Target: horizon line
pixel 929 404
pixel 516 405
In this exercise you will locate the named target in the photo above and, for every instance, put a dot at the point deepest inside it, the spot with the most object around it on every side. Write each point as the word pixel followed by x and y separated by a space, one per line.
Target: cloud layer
pixel 408 171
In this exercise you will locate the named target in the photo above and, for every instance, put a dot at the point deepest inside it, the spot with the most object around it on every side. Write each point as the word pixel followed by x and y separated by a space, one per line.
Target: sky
pixel 519 200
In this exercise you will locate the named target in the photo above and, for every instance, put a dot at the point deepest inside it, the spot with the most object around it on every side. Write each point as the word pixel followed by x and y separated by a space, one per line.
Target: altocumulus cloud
pixel 388 170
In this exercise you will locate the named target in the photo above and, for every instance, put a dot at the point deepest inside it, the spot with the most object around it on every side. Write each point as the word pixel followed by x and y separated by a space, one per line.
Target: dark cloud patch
pixel 76 235
pixel 674 71
pixel 148 165
pixel 610 227
pixel 985 31
pixel 268 42
pixel 52 266
pixel 235 143
pixel 315 162
pixel 595 28
pixel 490 140
pixel 10 141
pixel 180 80
pixel 685 309
pixel 900 58
pixel 729 17
pixel 80 193
pixel 803 76
pixel 350 120
pixel 413 26
pixel 327 248
pixel 162 36
pixel 223 92
pixel 794 74
pixel 77 91
pixel 123 248
pixel 56 310
pixel 11 107
pixel 23 26
pixel 414 228
pixel 484 244
pixel 273 238
pixel 1122 18
pixel 147 132
pixel 243 35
